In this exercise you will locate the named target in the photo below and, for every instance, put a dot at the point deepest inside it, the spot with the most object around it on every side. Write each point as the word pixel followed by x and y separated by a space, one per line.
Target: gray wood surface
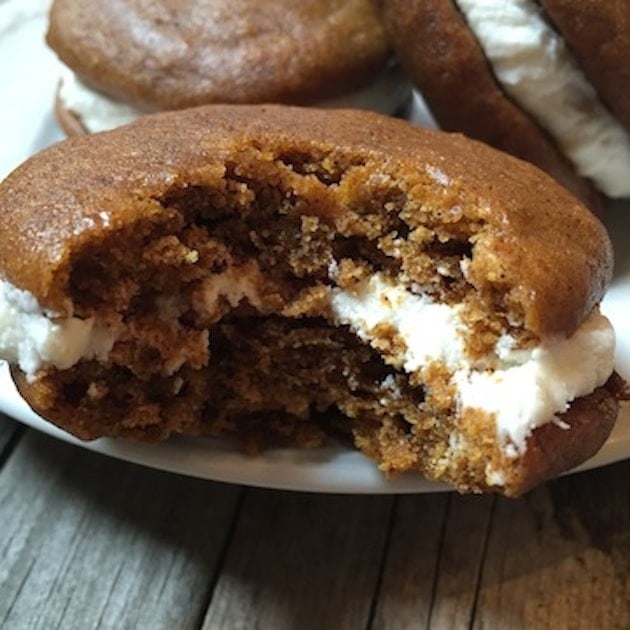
pixel 560 557
pixel 434 562
pixel 302 561
pixel 90 542
pixel 411 566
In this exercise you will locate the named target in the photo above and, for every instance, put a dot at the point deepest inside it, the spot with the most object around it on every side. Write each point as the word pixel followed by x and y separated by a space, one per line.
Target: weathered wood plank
pixel 560 557
pixel 301 561
pixel 407 584
pixel 90 542
pixel 461 561
pixel 434 562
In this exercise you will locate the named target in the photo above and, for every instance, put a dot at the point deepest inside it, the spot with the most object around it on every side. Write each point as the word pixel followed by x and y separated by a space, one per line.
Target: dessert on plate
pixel 129 57
pixel 547 81
pixel 284 275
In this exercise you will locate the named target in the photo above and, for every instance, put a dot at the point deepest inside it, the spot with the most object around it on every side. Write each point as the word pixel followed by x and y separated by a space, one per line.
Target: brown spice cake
pixel 221 261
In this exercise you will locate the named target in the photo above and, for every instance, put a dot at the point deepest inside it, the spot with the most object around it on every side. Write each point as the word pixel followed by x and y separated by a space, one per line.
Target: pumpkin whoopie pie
pixel 285 274
pixel 547 81
pixel 128 57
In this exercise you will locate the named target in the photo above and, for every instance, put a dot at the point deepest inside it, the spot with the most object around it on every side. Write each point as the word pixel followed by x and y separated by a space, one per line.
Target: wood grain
pixel 560 557
pixel 434 562
pixel 410 570
pixel 90 542
pixel 301 561
pixel 461 561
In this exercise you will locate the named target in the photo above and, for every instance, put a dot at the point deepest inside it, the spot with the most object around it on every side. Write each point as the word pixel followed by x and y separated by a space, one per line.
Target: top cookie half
pixel 535 247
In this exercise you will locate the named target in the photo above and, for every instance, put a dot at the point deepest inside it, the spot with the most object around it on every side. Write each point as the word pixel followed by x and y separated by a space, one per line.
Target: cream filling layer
pixel 99 112
pixel 31 338
pixel 533 65
pixel 529 388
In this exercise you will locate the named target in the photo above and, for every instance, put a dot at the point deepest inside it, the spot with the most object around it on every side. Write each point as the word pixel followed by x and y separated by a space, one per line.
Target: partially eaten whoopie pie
pixel 283 275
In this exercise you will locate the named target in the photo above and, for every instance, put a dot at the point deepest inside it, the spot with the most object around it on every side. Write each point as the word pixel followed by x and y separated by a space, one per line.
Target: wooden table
pixel 91 542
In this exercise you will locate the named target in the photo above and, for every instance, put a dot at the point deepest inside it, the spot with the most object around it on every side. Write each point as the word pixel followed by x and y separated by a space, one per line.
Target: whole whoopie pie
pixel 127 57
pixel 288 274
pixel 547 81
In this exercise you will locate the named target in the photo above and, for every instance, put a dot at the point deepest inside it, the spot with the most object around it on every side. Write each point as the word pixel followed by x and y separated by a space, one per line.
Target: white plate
pixel 28 72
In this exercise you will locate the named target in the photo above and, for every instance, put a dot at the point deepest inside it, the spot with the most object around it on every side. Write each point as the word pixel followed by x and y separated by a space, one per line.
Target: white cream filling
pixel 534 66
pixel 96 111
pixel 32 338
pixel 99 112
pixel 528 389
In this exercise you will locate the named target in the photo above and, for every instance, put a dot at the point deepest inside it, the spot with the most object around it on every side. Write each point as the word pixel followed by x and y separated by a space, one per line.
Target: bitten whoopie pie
pixel 547 81
pixel 128 57
pixel 284 275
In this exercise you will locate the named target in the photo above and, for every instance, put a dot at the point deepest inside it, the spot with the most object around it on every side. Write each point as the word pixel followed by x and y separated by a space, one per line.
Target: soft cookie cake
pixel 547 81
pixel 128 57
pixel 284 275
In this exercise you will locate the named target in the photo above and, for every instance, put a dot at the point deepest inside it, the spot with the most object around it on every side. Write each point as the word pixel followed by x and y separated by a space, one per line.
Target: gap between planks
pixel 11 432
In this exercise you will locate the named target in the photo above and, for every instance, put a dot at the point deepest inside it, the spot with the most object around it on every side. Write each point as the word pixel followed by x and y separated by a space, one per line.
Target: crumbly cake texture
pixel 445 61
pixel 170 55
pixel 152 226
